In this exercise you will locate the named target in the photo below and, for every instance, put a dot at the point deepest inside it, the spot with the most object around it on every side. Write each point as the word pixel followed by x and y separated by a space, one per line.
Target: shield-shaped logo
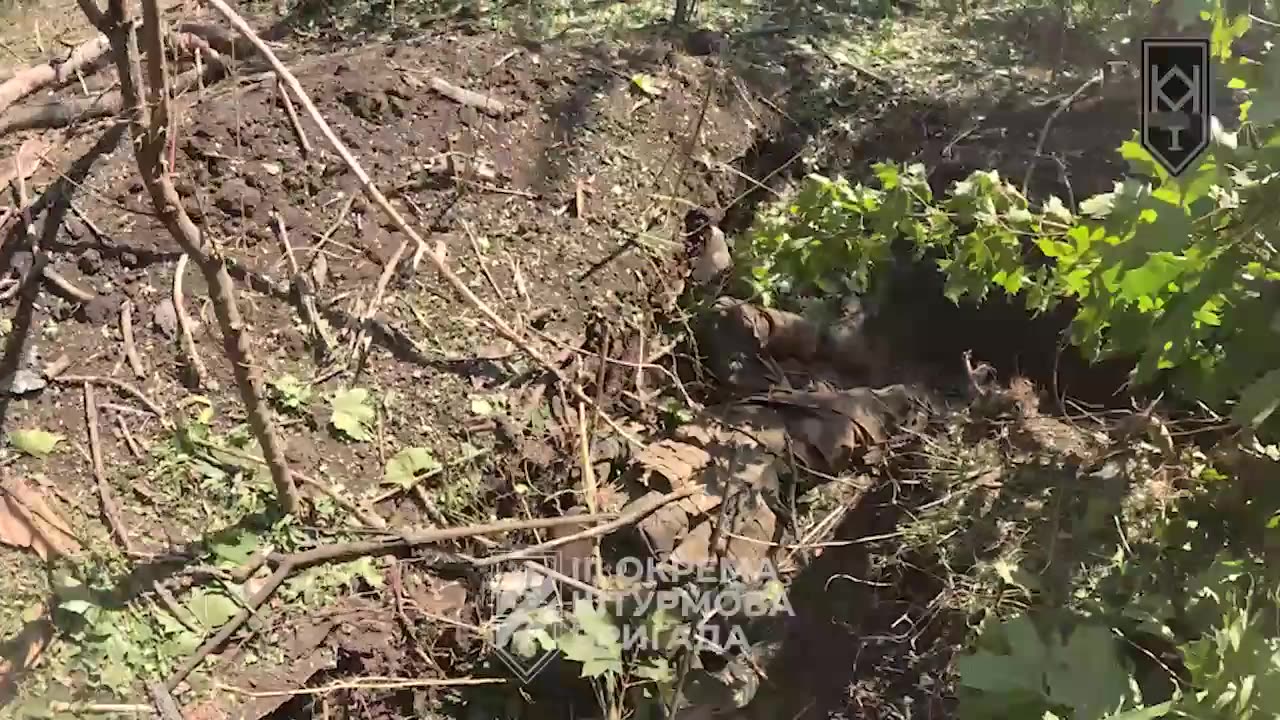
pixel 525 603
pixel 1175 100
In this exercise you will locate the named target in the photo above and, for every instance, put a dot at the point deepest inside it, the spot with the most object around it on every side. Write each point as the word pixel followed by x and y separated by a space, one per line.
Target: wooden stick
pixel 186 339
pixel 120 385
pixel 110 510
pixel 470 98
pixel 130 346
pixel 300 285
pixel 384 279
pixel 65 285
pixel 292 112
pixel 640 510
pixel 338 552
pixel 83 57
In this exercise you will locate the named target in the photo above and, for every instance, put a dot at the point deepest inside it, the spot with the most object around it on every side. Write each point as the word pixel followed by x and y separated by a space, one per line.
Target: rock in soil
pixel 235 197
pixel 90 262
pixel 101 309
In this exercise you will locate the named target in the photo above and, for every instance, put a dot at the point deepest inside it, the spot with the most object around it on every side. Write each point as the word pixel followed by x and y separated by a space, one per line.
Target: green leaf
pixel 596 645
pixel 1144 713
pixel 79 607
pixel 404 468
pixel 530 642
pixel 1088 675
pixel 657 669
pixel 1016 576
pixel 596 660
pixel 211 609
pixel 1141 161
pixel 1098 205
pixel 646 84
pixel 596 622
pixel 291 393
pixel 352 414
pixel 1055 209
pixel 1258 401
pixel 993 673
pixel 36 443
pixel 237 549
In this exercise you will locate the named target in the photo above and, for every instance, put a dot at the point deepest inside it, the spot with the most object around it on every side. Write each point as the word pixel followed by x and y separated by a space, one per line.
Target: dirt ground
pixel 563 220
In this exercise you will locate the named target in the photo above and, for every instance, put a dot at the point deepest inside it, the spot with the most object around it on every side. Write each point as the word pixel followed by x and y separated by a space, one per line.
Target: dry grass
pixel 33 30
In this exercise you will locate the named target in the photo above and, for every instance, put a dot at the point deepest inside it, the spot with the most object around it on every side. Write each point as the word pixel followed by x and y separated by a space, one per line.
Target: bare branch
pixel 147 128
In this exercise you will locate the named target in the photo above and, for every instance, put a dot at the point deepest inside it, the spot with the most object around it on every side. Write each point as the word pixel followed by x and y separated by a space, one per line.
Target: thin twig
pixel 59 706
pixel 184 326
pixel 470 98
pixel 589 488
pixel 134 448
pixel 1048 123
pixel 292 112
pixel 130 345
pixel 640 511
pixel 110 510
pixel 339 552
pixel 484 267
pixel 120 385
pixel 379 291
pixel 369 683
pixel 65 285
pixel 301 286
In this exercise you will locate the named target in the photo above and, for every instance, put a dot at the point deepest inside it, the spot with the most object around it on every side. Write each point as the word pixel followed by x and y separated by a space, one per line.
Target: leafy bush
pixel 1180 273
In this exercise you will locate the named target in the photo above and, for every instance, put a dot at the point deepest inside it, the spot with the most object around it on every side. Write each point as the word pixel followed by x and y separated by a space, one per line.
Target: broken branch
pixel 470 98
pixel 130 345
pixel 69 112
pixel 147 127
pixel 303 288
pixel 110 510
pixel 292 112
pixel 339 552
pixel 185 336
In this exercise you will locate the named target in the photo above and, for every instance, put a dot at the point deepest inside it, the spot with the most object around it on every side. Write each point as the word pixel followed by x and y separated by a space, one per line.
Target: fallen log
pixel 69 112
pixel 86 57
pixel 91 55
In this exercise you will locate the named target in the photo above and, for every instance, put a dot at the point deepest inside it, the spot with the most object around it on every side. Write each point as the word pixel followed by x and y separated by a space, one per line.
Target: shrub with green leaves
pixel 1180 273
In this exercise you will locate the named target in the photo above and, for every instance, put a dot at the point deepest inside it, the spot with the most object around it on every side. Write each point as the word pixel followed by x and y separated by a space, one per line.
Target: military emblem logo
pixel 1175 100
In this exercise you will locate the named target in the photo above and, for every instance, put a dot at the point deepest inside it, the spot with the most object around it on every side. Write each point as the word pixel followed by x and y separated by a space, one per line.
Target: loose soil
pixel 572 223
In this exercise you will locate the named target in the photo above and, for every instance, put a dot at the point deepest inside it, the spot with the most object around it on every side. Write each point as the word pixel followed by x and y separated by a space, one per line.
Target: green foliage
pixel 352 415
pixel 290 394
pixel 36 443
pixel 407 466
pixel 219 465
pixel 1180 274
pixel 116 646
pixel 597 642
pixel 1020 670
pixel 1231 655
